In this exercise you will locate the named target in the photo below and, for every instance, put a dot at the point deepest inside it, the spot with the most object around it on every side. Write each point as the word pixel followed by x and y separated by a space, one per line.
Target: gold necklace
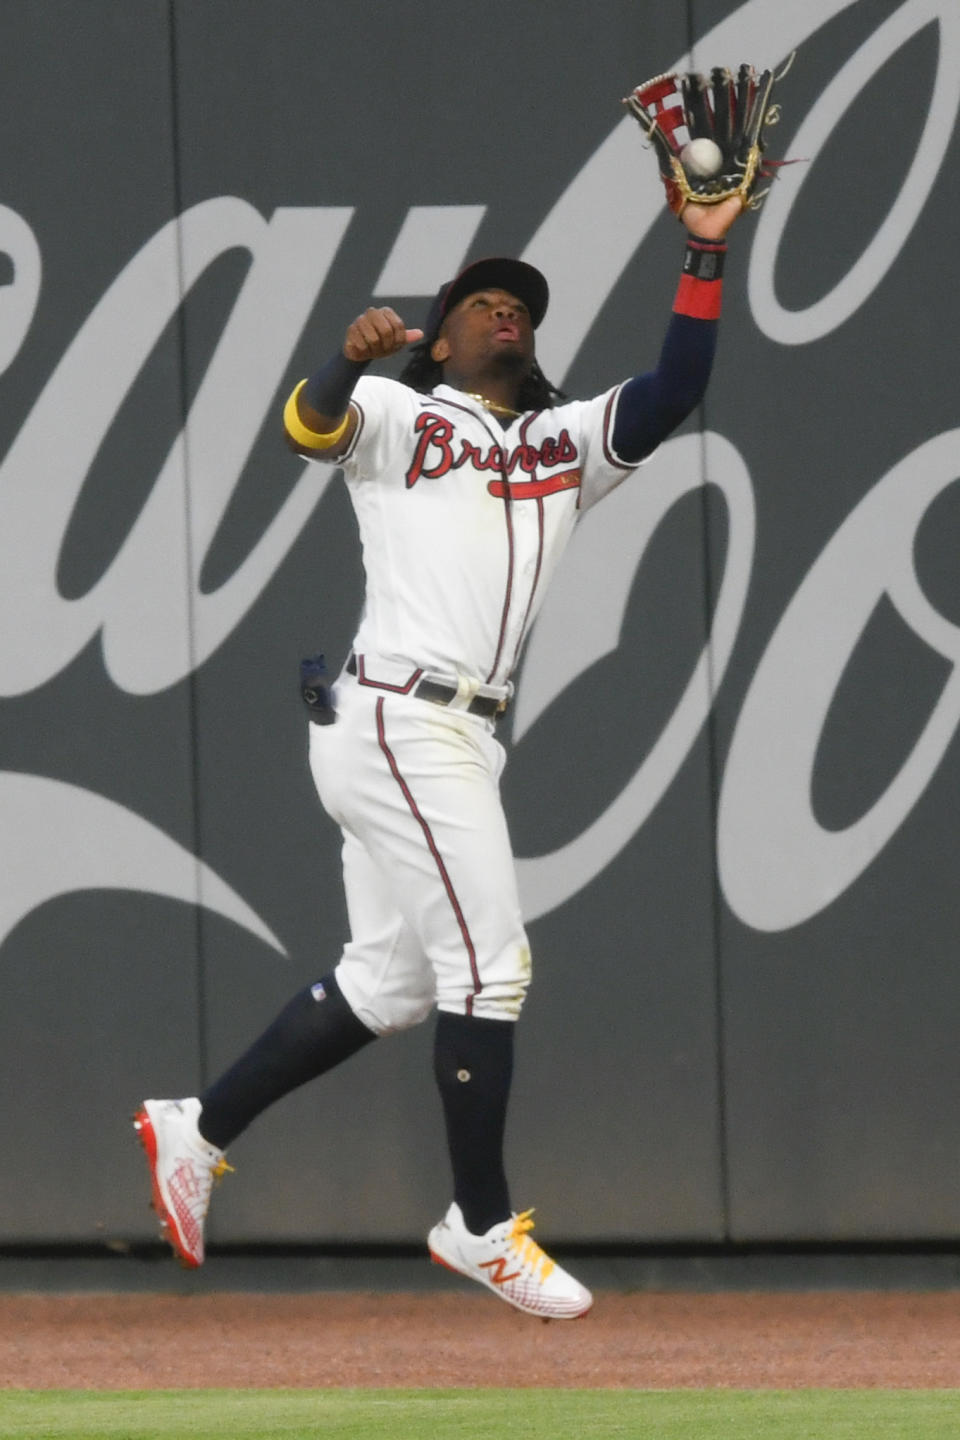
pixel 492 405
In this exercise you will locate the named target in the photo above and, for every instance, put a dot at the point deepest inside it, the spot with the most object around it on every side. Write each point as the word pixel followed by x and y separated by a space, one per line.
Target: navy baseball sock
pixel 312 1034
pixel 473 1066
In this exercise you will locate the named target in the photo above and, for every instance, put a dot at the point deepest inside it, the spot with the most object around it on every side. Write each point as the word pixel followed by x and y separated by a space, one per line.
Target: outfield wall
pixel 733 765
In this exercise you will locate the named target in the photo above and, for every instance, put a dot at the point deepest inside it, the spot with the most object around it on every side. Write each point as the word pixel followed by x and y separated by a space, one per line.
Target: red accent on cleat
pixel 168 1232
pixel 437 1260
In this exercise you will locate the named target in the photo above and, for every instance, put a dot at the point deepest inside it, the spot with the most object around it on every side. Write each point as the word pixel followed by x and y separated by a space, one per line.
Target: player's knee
pixel 383 1010
pixel 402 1012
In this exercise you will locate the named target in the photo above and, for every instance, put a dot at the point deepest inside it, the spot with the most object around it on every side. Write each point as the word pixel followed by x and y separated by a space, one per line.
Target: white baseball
pixel 702 157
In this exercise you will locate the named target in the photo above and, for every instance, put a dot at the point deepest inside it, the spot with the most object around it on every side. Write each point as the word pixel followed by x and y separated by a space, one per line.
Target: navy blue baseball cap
pixel 496 272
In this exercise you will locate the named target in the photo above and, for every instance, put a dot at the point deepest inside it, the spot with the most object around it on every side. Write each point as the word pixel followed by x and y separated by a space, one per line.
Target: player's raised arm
pixel 708 136
pixel 318 418
pixel 651 406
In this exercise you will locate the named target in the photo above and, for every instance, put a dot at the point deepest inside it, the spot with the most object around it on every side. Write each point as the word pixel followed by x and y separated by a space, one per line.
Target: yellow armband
pixel 310 439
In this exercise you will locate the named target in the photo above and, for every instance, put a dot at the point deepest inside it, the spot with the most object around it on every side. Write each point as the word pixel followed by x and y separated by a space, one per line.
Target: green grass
pixel 480 1414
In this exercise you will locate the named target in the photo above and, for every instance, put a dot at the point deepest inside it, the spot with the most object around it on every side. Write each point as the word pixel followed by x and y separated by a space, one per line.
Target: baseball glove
pixel 708 133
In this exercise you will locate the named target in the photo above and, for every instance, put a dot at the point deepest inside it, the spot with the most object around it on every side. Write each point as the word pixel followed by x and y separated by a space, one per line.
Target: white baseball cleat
pixel 510 1264
pixel 183 1167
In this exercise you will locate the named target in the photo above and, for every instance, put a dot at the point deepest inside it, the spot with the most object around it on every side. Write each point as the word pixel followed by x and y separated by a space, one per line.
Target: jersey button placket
pixel 526 543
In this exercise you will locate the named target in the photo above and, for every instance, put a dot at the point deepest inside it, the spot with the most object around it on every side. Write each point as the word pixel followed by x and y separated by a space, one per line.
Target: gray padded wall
pixel 837 972
pixel 97 805
pixel 744 1012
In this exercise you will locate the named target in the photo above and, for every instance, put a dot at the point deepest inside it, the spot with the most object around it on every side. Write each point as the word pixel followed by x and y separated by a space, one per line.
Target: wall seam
pixel 713 785
pixel 191 682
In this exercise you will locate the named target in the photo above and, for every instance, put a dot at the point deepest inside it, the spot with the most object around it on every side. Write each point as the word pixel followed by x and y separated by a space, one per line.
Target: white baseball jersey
pixel 463 522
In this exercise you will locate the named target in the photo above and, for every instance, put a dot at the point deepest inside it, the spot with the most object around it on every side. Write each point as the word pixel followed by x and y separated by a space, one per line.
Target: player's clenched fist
pixel 377 333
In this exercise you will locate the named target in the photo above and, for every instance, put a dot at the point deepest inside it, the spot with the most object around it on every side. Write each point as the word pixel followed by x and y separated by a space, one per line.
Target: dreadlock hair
pixel 422 373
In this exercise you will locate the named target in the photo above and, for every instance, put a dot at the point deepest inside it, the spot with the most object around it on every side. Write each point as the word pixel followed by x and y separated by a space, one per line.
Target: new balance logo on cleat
pixel 510 1264
pixel 498 1271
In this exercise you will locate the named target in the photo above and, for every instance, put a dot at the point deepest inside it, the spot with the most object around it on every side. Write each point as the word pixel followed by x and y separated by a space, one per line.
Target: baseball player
pixel 467 476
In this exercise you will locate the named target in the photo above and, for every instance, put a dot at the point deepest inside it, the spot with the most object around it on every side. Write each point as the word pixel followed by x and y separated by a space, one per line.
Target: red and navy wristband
pixel 700 292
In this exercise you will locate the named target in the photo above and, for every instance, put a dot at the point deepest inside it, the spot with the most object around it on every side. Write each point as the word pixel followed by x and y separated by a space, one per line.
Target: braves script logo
pixel 156 624
pixel 434 455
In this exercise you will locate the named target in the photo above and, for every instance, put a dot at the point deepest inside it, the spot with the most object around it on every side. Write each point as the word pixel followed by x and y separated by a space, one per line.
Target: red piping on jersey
pixel 509 519
pixel 383 684
pixel 355 438
pixel 533 587
pixel 508 515
pixel 609 456
pixel 432 846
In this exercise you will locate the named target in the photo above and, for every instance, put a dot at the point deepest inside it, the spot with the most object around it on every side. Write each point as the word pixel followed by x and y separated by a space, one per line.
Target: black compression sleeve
pixel 651 406
pixel 329 389
pixel 314 1032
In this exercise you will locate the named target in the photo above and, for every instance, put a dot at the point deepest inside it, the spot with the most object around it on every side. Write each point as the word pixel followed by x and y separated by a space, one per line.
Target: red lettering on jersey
pixel 566 450
pixel 526 457
pixel 437 433
pixel 433 458
pixel 473 455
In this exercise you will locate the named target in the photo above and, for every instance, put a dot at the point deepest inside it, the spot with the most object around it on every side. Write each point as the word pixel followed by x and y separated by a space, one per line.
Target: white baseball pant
pixel 428 868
